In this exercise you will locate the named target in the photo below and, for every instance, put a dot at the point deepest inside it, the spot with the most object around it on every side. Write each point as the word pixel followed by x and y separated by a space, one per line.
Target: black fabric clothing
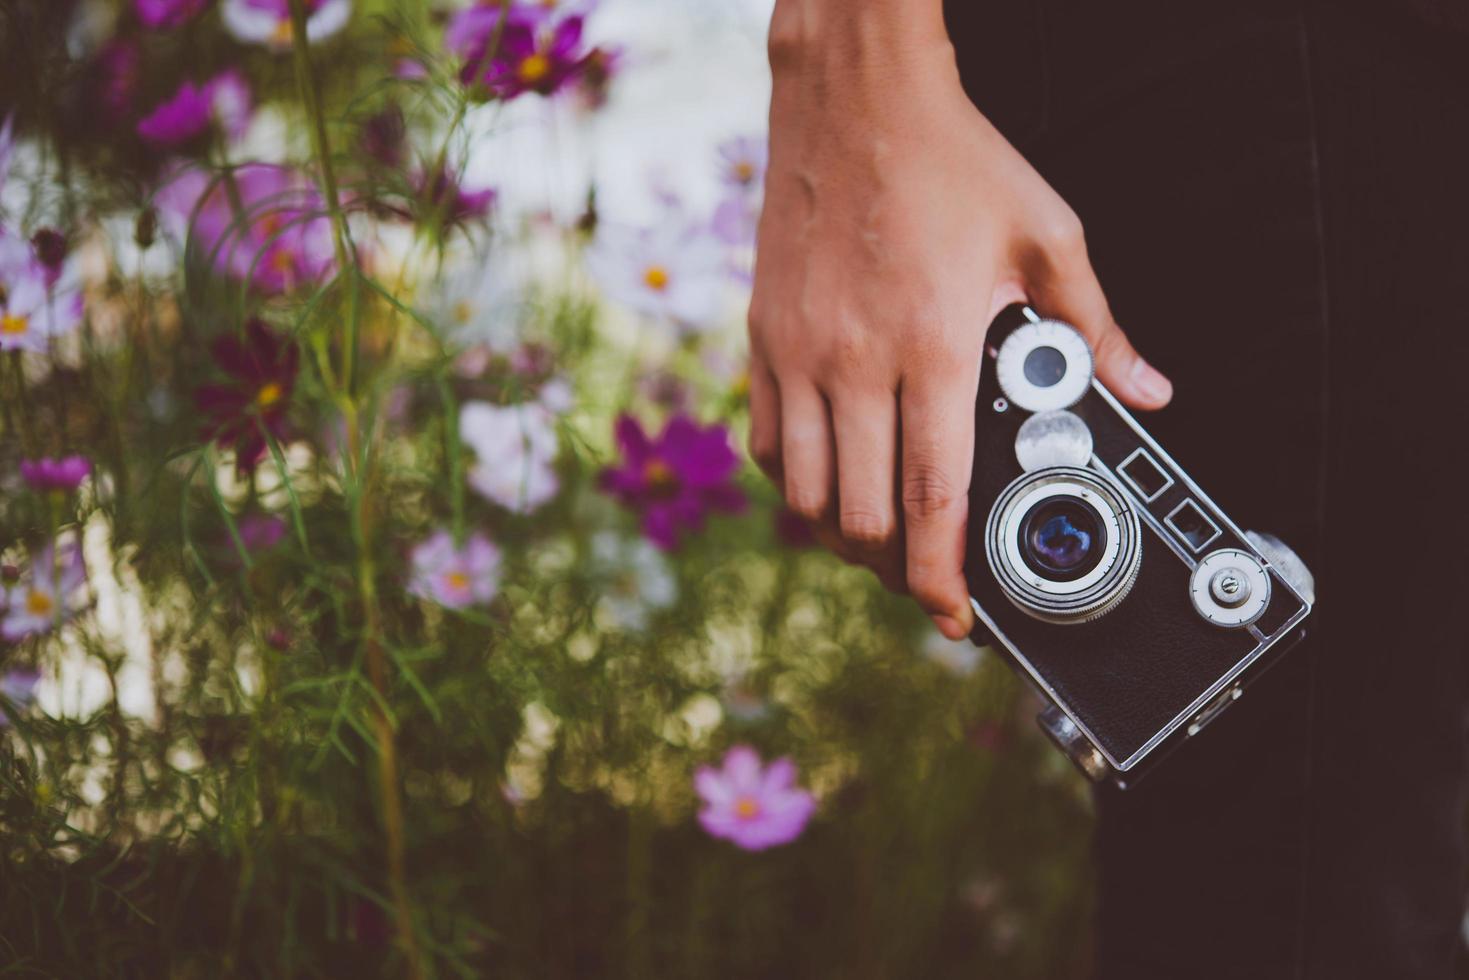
pixel 1276 200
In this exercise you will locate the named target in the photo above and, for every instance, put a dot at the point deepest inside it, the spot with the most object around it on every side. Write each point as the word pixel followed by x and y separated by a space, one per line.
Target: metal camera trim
pixel 1064 602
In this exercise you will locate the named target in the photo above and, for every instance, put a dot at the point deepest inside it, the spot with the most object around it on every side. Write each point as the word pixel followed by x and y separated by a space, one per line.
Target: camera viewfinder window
pixel 1192 525
pixel 1145 475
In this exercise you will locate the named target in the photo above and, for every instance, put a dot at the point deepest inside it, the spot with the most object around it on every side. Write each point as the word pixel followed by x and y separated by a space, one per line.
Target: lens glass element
pixel 1062 538
pixel 1044 366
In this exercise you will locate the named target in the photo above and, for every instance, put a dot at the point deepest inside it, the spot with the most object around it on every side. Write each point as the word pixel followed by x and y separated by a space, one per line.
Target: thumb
pixel 1070 292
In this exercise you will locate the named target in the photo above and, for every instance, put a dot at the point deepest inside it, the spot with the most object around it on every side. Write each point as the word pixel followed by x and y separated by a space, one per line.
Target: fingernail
pixel 949 626
pixel 1149 382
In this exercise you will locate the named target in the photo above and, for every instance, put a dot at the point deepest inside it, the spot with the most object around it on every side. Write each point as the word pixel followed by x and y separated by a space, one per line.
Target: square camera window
pixel 1192 525
pixel 1145 475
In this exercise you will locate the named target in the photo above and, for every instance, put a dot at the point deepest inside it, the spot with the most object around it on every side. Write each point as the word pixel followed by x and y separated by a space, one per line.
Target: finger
pixel 806 450
pixel 764 419
pixel 887 568
pixel 1068 289
pixel 937 417
pixel 866 430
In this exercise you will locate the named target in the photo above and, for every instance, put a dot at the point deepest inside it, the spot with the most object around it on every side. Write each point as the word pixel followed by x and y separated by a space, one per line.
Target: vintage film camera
pixel 1132 604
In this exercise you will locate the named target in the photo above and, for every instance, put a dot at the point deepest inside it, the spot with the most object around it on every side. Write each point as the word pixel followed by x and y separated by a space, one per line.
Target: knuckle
pixel 866 526
pixel 806 500
pixel 927 490
pixel 1062 235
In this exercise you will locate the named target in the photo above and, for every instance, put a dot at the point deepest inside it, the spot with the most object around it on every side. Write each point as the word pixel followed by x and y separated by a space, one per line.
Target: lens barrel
pixel 1063 544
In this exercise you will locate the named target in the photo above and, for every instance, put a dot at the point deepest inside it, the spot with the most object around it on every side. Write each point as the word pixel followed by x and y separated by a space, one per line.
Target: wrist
pixel 846 39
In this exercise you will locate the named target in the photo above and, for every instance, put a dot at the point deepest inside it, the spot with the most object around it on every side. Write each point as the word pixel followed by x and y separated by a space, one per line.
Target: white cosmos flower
pixel 268 22
pixel 637 579
pixel 515 449
pixel 477 303
pixel 673 271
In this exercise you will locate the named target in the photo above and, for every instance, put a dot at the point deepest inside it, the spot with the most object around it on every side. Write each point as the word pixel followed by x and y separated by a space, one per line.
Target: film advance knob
pixel 1044 365
pixel 1229 588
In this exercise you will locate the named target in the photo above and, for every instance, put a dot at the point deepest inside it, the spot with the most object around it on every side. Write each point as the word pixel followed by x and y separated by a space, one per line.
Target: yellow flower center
pixel 283 260
pixel 463 311
pixel 656 277
pixel 457 580
pixel 744 171
pixel 284 32
pixel 12 324
pixel 658 474
pixel 534 67
pixel 741 386
pixel 747 808
pixel 38 603
pixel 268 395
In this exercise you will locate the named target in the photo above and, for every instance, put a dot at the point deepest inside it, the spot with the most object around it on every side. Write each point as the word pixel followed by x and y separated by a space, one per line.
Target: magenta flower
pixel 752 805
pixel 223 101
pixel 674 481
pixel 531 51
pixel 44 599
pixel 448 201
pixel 268 22
pixel 64 474
pixel 279 239
pixel 260 532
pixel 166 15
pixel 18 686
pixel 261 372
pixel 116 74
pixel 455 577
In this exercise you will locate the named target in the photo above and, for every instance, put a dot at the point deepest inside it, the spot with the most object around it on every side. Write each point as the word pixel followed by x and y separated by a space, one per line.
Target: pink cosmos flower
pixel 743 161
pixel 64 474
pixel 673 271
pixel 674 481
pixel 166 15
pixel 260 532
pixel 268 22
pixel 455 577
pixel 223 101
pixel 45 598
pixel 752 805
pixel 280 239
pixel 533 51
pixel 36 303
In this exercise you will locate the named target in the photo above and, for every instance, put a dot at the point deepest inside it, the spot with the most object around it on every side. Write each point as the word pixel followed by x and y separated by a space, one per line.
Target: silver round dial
pixel 1044 365
pixel 1230 588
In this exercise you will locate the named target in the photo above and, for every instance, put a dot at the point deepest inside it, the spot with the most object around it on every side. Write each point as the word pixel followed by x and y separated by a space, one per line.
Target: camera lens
pixel 1064 544
pixel 1062 538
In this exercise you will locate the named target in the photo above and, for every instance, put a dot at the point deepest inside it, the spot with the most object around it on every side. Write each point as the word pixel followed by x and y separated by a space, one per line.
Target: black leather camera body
pixel 1132 604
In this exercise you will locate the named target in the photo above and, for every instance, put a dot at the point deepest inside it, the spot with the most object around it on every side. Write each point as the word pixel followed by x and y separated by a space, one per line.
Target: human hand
pixel 898 222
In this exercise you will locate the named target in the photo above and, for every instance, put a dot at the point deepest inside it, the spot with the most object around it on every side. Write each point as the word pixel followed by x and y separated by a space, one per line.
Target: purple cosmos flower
pixel 36 302
pixel 455 577
pixel 116 75
pixel 238 412
pixel 50 247
pixel 18 686
pixel 674 481
pixel 673 271
pixel 532 52
pixel 64 474
pixel 752 805
pixel 43 600
pixel 167 15
pixel 223 101
pixel 268 22
pixel 279 239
